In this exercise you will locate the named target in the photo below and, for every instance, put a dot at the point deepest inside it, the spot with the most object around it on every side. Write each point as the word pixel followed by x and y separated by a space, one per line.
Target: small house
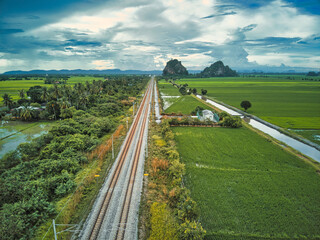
pixel 208 115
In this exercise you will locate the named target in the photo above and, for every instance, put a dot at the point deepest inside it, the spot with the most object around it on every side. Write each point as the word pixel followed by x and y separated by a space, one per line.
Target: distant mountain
pixel 174 67
pixel 218 69
pixel 85 72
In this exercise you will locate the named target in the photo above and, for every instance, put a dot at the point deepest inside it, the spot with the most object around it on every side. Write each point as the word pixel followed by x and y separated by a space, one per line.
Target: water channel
pixel 301 147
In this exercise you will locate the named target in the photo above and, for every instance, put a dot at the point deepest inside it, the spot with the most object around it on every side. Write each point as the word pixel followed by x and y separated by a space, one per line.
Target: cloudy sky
pixel 144 34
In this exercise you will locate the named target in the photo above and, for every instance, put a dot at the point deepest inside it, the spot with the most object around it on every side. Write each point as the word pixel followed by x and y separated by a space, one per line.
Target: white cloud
pixel 103 64
pixel 194 61
pixel 145 34
pixel 294 60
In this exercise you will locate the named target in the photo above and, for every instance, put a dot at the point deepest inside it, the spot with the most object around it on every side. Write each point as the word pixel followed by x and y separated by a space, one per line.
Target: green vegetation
pixel 286 101
pixel 245 104
pixel 312 135
pixel 174 68
pixel 12 87
pixel 218 69
pixel 185 105
pixel 247 187
pixel 168 211
pixel 39 174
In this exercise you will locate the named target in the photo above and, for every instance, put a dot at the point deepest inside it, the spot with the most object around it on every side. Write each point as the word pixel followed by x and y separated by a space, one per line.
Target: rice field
pixel 289 103
pixel 248 188
pixel 12 86
pixel 189 104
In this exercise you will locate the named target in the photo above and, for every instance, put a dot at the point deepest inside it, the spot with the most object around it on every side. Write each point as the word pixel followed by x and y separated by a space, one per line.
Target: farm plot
pixel 247 187
pixel 185 105
pixel 288 103
pixel 11 87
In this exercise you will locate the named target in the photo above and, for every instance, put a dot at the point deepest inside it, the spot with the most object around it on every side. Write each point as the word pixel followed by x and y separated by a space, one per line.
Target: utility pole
pixel 54 229
pixel 112 149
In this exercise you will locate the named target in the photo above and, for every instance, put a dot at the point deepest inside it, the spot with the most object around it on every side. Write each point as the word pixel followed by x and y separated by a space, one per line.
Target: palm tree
pixel 26 114
pixel 21 93
pixel 56 91
pixel 88 87
pixel 83 101
pixel 64 103
pixel 45 94
pixel 7 100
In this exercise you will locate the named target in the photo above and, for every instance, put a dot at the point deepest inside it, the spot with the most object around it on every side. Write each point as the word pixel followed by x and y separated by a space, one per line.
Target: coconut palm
pixel 63 102
pixel 26 114
pixel 7 100
pixel 45 94
pixel 56 91
pixel 22 93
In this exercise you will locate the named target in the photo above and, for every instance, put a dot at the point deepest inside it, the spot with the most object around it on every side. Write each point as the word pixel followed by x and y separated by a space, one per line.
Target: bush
pixel 231 121
pixel 222 115
pixel 163 225
pixel 177 169
pixel 191 230
pixel 198 108
pixel 19 220
pixel 9 160
pixel 187 209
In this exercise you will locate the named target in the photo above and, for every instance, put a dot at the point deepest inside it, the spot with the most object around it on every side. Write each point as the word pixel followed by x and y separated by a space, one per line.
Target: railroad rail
pixel 140 120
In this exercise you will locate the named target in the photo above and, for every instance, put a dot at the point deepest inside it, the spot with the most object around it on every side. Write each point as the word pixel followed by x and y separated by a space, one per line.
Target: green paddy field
pixel 289 103
pixel 12 86
pixel 247 187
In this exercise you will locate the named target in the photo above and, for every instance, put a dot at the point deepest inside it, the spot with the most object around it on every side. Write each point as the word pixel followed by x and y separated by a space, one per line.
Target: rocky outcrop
pixel 218 69
pixel 174 67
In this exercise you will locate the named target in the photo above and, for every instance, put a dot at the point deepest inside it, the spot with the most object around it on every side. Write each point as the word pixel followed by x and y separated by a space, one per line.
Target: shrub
pixel 159 164
pixel 163 225
pixel 222 115
pixel 172 155
pixel 177 169
pixel 187 209
pixel 231 121
pixel 191 230
pixel 9 160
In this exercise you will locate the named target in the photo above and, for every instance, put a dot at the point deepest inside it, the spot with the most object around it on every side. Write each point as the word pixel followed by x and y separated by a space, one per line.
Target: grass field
pixel 12 86
pixel 247 187
pixel 189 104
pixel 289 103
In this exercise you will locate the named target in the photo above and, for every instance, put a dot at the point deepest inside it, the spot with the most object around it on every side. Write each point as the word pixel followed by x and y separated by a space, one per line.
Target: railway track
pixel 134 137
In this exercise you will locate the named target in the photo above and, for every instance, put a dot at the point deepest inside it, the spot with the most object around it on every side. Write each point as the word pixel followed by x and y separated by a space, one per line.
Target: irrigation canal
pixel 265 127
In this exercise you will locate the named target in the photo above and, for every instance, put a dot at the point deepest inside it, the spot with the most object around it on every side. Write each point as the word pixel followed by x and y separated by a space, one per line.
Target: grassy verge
pixel 247 187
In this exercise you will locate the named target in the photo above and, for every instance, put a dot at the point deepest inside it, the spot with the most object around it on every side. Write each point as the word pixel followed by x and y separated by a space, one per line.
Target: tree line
pixel 39 173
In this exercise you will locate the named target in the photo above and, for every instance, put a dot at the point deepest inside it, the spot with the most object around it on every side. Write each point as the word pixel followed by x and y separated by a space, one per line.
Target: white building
pixel 208 115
